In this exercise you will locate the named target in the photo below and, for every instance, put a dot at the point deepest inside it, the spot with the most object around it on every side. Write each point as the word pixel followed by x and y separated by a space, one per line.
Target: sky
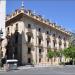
pixel 61 12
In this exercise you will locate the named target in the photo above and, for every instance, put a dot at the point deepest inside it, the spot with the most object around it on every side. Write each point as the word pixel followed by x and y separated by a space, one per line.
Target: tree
pixel 50 54
pixel 59 54
pixel 70 53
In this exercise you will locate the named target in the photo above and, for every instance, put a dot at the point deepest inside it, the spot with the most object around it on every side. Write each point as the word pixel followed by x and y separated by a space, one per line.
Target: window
pixel 39 29
pixel 47 42
pixel 16 37
pixel 54 42
pixel 59 37
pixel 29 38
pixel 39 59
pixel 47 50
pixel 54 59
pixel 64 38
pixel 29 50
pixel 53 35
pixel 65 44
pixel 48 59
pixel 8 30
pixel 29 26
pixel 17 26
pixel 60 42
pixel 39 41
pixel 1 53
pixel 40 51
pixel 29 60
pixel 47 32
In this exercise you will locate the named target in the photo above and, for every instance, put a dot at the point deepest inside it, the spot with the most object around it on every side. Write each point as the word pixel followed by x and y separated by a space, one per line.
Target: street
pixel 62 70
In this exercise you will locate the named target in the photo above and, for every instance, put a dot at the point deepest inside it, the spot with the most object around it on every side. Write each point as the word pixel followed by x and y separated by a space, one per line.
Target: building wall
pixel 34 32
pixel 2 14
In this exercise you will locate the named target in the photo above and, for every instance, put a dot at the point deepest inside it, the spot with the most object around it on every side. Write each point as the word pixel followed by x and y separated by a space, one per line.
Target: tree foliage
pixel 70 52
pixel 59 53
pixel 67 52
pixel 50 54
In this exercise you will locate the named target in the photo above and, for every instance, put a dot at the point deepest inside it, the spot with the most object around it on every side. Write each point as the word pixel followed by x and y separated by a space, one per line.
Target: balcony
pixel 29 44
pixel 40 45
pixel 40 36
pixel 29 32
pixel 48 47
pixel 8 36
pixel 60 48
pixel 54 41
pixel 8 33
pixel 48 38
pixel 55 48
pixel 60 42
pixel 40 55
pixel 54 38
pixel 65 44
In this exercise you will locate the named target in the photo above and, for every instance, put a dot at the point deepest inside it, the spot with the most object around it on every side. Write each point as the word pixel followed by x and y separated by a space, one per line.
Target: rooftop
pixel 39 18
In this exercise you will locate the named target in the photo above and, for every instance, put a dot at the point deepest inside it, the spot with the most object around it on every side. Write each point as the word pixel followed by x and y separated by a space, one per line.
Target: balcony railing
pixel 8 33
pixel 48 47
pixel 60 42
pixel 40 55
pixel 55 48
pixel 40 36
pixel 29 32
pixel 40 45
pixel 48 38
pixel 54 38
pixel 65 44
pixel 54 41
pixel 29 44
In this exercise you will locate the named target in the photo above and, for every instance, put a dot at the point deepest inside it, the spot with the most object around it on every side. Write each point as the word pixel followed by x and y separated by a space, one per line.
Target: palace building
pixel 30 37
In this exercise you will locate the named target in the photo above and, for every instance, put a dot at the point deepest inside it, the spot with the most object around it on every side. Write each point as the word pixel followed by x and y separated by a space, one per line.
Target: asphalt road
pixel 67 70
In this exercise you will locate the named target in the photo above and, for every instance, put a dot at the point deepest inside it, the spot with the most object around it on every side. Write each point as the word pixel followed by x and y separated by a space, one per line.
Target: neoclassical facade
pixel 30 37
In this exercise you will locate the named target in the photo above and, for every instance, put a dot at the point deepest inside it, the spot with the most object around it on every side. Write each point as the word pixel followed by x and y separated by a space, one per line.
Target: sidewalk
pixel 2 69
pixel 38 66
pixel 30 66
pixel 25 67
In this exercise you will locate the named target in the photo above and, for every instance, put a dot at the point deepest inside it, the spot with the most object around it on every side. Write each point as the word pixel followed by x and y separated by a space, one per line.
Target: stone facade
pixel 30 37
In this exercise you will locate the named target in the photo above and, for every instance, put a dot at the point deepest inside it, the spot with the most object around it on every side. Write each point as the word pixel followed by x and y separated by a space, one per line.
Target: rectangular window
pixel 17 26
pixel 29 50
pixel 29 60
pixel 39 59
pixel 7 30
pixel 40 51
pixel 29 26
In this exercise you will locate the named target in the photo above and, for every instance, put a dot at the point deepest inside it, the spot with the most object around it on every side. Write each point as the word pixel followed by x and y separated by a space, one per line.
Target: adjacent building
pixel 2 24
pixel 30 37
pixel 1 33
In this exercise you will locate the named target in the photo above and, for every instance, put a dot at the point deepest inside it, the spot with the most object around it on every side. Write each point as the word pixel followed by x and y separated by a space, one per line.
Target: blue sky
pixel 61 12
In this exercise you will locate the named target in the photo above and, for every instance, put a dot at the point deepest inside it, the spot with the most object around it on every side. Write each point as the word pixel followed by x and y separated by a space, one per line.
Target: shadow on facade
pixel 14 47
